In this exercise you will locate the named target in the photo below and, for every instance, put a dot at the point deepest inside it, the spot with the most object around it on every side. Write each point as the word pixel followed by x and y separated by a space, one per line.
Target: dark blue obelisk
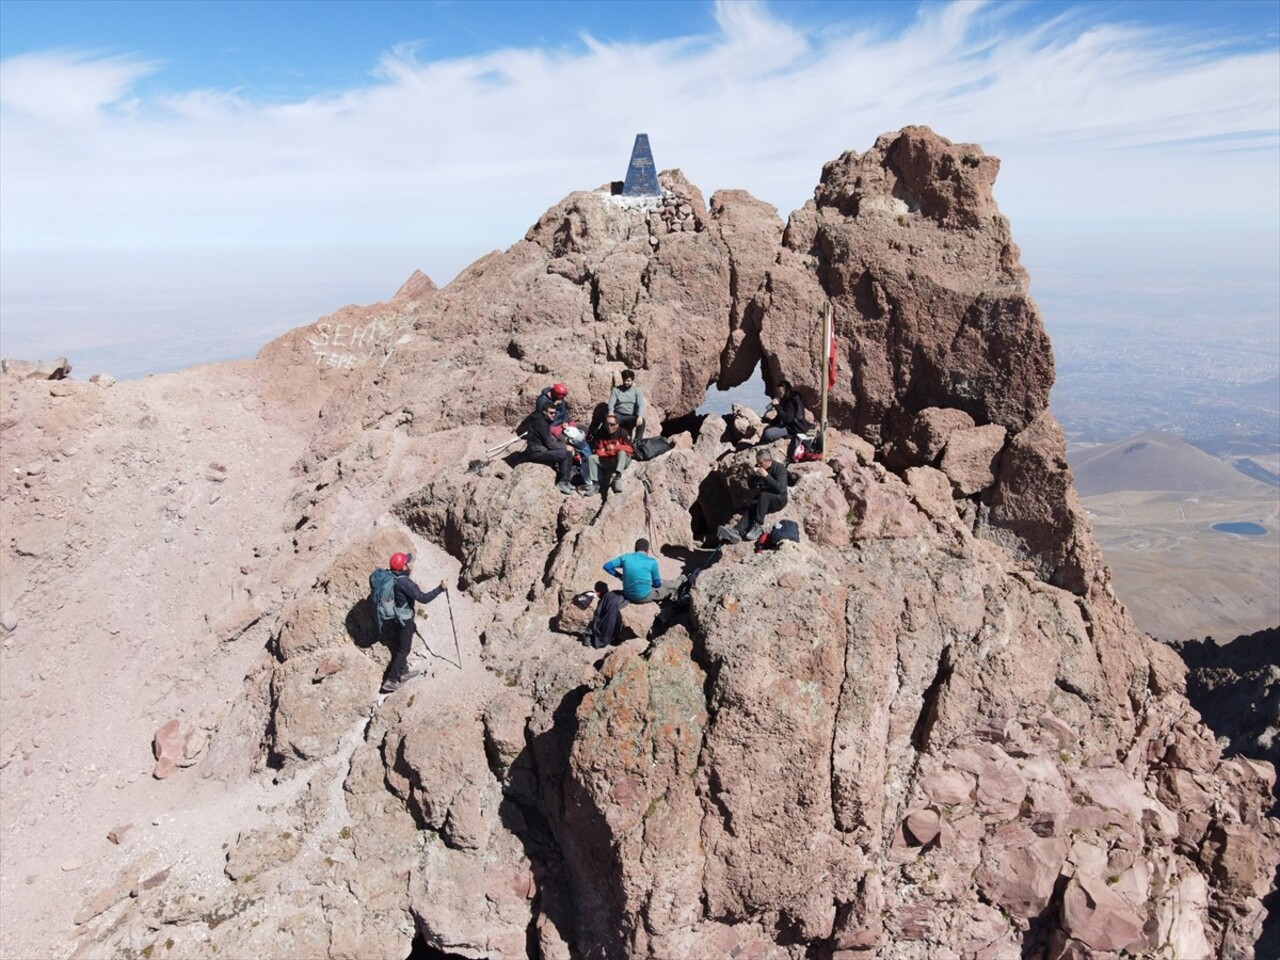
pixel 642 176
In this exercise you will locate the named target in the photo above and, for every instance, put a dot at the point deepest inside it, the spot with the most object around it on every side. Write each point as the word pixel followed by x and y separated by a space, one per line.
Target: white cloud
pixel 64 89
pixel 1091 124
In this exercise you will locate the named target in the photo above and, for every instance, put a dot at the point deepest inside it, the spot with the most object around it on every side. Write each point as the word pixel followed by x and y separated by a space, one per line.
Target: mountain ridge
pixel 935 695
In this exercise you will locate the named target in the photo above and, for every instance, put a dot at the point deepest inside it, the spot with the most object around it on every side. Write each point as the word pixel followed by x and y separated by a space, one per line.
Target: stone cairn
pixel 676 215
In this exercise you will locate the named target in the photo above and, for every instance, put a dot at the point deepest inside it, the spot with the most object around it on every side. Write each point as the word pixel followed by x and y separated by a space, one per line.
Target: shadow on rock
pixel 1236 688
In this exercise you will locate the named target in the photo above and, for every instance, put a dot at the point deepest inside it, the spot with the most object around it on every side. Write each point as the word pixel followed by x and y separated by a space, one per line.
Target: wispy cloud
pixel 64 89
pixel 1094 123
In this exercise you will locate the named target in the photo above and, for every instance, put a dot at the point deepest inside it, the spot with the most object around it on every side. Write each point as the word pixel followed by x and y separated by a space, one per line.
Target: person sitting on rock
pixel 785 416
pixel 641 581
pixel 407 594
pixel 544 447
pixel 556 397
pixel 769 479
pixel 606 624
pixel 627 401
pixel 614 450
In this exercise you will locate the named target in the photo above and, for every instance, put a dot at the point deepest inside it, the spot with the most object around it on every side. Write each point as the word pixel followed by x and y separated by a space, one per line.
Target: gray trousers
pixel 613 464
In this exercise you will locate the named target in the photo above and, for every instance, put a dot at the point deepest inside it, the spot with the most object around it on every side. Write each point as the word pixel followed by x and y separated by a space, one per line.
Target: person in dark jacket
pixel 563 425
pixel 543 447
pixel 785 415
pixel 607 622
pixel 407 595
pixel 770 481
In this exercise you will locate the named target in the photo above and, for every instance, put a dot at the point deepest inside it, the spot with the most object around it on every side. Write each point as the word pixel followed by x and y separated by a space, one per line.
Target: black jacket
pixel 791 414
pixel 407 592
pixel 775 481
pixel 540 437
pixel 607 622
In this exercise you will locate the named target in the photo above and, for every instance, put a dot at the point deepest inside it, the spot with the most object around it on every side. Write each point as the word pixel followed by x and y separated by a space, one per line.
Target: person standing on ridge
pixel 641 580
pixel 770 480
pixel 407 595
pixel 627 401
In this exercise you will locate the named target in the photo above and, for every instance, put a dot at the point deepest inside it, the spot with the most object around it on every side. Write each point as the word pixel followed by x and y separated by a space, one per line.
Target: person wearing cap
pixel 407 595
pixel 556 398
pixel 627 402
pixel 769 479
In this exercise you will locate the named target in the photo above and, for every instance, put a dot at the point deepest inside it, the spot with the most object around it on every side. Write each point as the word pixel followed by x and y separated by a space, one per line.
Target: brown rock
pixel 417 287
pixel 1021 877
pixel 258 851
pixel 1098 917
pixel 932 430
pixel 168 745
pixel 970 456
pixel 36 369
pixel 923 826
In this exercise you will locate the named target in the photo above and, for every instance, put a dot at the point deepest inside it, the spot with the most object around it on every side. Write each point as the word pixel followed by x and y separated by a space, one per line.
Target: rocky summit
pixel 926 730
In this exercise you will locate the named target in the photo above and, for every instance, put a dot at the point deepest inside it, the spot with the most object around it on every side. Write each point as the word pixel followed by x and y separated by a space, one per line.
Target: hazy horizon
pixel 1131 315
pixel 180 183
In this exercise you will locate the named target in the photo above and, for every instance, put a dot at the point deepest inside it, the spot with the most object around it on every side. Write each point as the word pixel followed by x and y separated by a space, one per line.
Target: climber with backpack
pixel 394 595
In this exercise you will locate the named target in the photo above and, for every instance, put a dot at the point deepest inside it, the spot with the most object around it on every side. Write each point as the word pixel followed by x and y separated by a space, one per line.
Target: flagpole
pixel 826 375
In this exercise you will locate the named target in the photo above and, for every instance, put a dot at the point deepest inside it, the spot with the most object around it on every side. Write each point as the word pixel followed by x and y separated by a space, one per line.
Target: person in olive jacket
pixel 770 481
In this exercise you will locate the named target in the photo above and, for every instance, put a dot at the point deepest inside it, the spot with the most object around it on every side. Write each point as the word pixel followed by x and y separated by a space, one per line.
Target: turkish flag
pixel 831 350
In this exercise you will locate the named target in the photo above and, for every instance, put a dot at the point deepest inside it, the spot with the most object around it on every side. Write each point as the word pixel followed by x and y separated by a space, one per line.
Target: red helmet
pixel 400 560
pixel 559 390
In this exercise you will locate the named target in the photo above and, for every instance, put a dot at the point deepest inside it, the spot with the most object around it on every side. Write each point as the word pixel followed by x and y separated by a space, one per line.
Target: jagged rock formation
pixel 1236 688
pixel 928 730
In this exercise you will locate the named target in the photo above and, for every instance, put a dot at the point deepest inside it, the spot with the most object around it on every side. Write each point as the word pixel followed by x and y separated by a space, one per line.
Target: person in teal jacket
pixel 641 580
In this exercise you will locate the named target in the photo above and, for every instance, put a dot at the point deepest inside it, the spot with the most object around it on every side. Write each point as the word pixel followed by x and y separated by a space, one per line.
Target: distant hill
pixel 1265 393
pixel 1155 461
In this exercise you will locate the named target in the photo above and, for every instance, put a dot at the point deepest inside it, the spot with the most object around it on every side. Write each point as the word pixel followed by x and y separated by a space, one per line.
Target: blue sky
pixel 197 143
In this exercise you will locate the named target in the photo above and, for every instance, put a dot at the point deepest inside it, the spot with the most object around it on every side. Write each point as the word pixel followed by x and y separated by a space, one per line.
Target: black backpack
pixel 651 447
pixel 775 535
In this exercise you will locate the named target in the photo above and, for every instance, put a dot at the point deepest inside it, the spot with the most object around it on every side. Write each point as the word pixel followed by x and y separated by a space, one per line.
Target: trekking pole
pixel 456 646
pixel 432 652
pixel 648 512
pixel 494 451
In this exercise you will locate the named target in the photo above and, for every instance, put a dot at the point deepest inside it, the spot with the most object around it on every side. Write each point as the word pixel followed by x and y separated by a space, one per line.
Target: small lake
pixel 1241 528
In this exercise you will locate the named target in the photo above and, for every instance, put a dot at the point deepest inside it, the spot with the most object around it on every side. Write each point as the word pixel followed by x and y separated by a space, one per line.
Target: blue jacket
pixel 638 573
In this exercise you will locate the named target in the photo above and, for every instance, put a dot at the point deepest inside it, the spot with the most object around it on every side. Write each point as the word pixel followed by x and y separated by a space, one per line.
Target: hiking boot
pixel 590 490
pixel 389 686
pixel 564 486
pixel 617 482
pixel 754 532
pixel 729 534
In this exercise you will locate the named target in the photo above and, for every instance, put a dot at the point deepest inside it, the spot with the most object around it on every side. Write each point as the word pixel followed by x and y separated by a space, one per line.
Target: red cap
pixel 400 560
pixel 559 390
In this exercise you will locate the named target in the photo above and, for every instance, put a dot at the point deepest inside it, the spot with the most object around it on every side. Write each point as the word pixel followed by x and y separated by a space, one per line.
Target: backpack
pixel 780 531
pixel 651 447
pixel 382 596
pixel 806 447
